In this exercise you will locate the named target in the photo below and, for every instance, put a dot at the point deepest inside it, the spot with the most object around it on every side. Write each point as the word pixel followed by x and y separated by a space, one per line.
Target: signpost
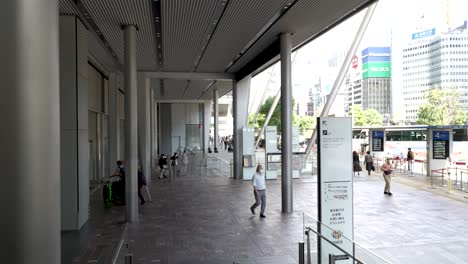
pixel 440 144
pixel 378 141
pixel 335 188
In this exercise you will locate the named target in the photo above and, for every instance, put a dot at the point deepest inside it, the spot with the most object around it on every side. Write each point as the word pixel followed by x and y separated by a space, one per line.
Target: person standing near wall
pixel 410 159
pixel 259 186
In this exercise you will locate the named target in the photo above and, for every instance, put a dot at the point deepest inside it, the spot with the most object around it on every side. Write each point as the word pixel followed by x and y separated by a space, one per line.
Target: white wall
pixel 74 145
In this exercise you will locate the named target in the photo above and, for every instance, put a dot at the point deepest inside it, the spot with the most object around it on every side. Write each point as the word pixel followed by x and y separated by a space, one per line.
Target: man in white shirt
pixel 258 182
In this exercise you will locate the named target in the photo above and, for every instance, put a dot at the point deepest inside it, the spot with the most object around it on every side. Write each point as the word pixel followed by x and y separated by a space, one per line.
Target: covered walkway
pixel 204 217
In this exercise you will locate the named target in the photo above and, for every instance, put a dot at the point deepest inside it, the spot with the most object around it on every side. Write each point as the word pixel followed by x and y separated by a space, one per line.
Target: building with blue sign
pixel 434 59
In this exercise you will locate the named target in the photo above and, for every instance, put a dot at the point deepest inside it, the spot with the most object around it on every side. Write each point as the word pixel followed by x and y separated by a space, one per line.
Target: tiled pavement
pixel 204 218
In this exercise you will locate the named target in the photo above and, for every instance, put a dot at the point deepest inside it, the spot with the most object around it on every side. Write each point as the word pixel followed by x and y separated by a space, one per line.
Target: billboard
pixel 423 34
pixel 376 51
pixel 376 70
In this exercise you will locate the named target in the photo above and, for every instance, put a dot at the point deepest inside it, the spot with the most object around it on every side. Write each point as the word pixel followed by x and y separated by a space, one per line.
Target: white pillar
pixel 131 122
pixel 144 129
pixel 286 125
pixel 113 122
pixel 30 134
pixel 240 102
pixel 216 120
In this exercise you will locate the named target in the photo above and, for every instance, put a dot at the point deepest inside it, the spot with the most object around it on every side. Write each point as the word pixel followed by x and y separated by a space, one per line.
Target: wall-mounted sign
pixel 440 144
pixel 376 70
pixel 335 185
pixel 423 34
pixel 378 141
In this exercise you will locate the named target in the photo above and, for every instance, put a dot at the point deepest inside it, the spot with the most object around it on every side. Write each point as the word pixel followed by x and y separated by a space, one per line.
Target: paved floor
pixel 203 217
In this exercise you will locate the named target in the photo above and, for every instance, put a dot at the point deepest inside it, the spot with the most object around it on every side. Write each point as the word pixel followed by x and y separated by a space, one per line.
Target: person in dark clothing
pixel 369 162
pixel 141 183
pixel 356 166
pixel 120 185
pixel 163 166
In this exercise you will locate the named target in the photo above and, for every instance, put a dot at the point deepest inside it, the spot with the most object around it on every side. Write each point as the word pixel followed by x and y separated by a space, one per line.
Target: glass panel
pixel 105 146
pixel 193 135
pixel 406 135
pixel 93 149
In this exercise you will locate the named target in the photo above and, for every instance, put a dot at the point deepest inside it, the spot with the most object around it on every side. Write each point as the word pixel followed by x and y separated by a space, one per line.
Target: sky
pixel 395 19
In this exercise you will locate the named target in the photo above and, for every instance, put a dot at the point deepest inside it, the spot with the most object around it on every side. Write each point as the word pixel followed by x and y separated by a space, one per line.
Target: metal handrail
pixel 352 241
pixel 333 244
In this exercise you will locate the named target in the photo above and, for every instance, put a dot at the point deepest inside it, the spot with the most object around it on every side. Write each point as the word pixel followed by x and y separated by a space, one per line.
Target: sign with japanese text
pixel 335 186
pixel 378 140
pixel 440 144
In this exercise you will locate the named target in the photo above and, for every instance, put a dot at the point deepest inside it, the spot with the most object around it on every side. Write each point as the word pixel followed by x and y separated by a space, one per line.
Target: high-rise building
pixel 376 79
pixel 432 59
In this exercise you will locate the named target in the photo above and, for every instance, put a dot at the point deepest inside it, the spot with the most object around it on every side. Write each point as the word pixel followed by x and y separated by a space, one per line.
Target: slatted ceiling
pixel 184 26
pixel 304 19
pixel 241 21
pixel 67 7
pixel 109 15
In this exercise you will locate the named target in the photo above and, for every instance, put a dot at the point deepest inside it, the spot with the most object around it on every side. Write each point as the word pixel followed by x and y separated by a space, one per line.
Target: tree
pixel 358 115
pixel 306 123
pixel 368 117
pixel 275 119
pixel 442 108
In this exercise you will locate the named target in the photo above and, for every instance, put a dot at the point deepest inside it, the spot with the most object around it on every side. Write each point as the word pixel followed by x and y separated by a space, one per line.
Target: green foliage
pixel 368 117
pixel 442 108
pixel 305 123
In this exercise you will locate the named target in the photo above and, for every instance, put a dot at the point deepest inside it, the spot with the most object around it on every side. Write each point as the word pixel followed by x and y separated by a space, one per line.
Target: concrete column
pixel 286 124
pixel 216 120
pixel 131 122
pixel 144 120
pixel 30 134
pixel 240 98
pixel 205 110
pixel 153 138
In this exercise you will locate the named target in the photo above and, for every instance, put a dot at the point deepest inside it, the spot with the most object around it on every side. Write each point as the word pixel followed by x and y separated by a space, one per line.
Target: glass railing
pixel 334 246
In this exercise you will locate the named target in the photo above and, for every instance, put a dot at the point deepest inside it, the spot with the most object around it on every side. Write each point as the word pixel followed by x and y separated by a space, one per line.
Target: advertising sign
pixel 377 141
pixel 376 51
pixel 440 144
pixel 376 70
pixel 335 188
pixel 423 34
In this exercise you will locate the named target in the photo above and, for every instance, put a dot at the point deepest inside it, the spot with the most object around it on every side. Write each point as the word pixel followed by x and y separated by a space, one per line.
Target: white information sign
pixel 335 186
pixel 271 146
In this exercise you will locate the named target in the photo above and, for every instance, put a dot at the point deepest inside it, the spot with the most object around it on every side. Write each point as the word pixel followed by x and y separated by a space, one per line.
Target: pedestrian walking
pixel 410 159
pixel 162 163
pixel 369 162
pixel 387 170
pixel 356 164
pixel 259 188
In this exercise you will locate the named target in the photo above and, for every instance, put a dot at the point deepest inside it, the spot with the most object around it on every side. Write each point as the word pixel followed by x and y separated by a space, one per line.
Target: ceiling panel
pixel 305 19
pixel 222 86
pixel 185 25
pixel 196 88
pixel 110 15
pixel 173 89
pixel 239 24
pixel 67 7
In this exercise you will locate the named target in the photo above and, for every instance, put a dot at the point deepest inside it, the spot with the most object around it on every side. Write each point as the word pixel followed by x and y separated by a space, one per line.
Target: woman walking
pixel 387 170
pixel 369 162
pixel 356 166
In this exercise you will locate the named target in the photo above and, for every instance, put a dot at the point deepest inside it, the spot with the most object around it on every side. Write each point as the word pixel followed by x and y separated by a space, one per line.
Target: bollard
pixel 432 180
pixel 129 259
pixel 461 181
pixel 449 183
pixel 301 253
pixel 443 178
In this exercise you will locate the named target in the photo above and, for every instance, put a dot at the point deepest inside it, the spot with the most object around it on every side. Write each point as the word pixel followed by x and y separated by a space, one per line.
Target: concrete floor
pixel 204 217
